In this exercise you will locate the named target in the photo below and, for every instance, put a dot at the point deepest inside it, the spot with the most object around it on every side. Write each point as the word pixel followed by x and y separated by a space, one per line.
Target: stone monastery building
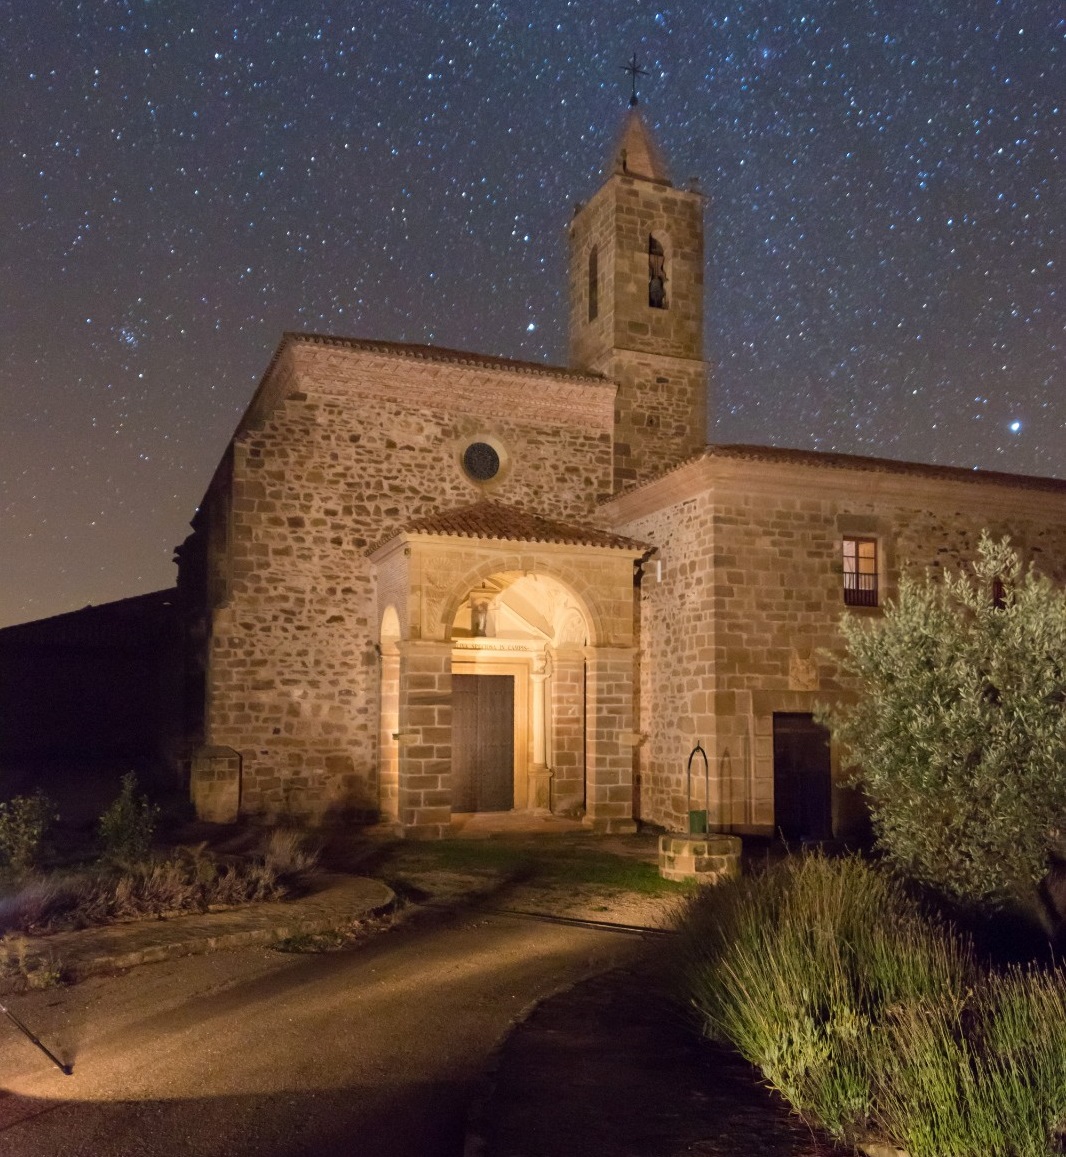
pixel 428 583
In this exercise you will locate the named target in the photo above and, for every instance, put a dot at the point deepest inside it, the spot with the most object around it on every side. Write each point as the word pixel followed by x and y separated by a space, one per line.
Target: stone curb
pixel 338 903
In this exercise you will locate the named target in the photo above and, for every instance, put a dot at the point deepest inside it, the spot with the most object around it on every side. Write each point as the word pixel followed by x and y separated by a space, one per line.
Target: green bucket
pixel 697 823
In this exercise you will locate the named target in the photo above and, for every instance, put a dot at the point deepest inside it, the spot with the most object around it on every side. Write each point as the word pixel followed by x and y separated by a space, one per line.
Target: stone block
pixel 706 859
pixel 215 784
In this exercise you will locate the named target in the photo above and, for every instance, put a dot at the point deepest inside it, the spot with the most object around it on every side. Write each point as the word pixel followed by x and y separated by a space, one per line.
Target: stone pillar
pixel 425 739
pixel 539 790
pixel 388 743
pixel 610 731
pixel 568 730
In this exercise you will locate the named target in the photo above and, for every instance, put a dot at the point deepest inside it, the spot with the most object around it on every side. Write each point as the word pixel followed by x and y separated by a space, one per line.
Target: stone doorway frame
pixel 425 577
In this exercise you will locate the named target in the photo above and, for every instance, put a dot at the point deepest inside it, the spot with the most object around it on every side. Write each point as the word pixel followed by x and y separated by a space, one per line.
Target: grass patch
pixel 312 942
pixel 550 861
pixel 579 866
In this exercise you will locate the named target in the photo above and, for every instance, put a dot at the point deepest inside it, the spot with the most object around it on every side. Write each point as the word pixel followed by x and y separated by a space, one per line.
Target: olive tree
pixel 958 736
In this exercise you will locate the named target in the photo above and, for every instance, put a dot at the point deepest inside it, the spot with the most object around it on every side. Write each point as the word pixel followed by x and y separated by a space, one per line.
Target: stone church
pixel 427 583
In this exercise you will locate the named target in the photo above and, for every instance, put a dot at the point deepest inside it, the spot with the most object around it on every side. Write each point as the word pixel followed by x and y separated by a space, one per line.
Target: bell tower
pixel 636 306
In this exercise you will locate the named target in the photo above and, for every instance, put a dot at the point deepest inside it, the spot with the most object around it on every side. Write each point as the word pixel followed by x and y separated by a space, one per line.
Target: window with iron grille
pixel 860 572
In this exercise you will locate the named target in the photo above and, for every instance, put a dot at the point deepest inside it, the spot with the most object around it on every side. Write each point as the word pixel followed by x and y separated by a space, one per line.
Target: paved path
pixel 613 1068
pixel 375 1050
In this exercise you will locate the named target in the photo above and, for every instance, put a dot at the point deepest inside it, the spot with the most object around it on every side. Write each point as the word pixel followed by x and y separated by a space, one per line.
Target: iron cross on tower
pixel 634 71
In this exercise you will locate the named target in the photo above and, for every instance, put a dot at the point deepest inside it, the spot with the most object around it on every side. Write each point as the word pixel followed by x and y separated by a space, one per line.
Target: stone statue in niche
pixel 479 618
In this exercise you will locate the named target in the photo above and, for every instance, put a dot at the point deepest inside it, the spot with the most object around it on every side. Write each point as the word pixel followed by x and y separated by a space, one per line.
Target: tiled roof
pixel 432 353
pixel 494 520
pixel 832 461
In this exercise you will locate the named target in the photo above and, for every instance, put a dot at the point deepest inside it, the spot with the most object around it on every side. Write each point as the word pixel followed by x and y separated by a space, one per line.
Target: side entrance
pixel 802 778
pixel 482 743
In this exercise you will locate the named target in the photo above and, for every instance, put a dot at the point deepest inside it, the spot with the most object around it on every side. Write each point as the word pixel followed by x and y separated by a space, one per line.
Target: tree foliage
pixel 24 822
pixel 959 732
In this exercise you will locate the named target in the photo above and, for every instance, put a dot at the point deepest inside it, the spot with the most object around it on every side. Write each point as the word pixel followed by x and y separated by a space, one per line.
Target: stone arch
pixel 659 268
pixel 571 582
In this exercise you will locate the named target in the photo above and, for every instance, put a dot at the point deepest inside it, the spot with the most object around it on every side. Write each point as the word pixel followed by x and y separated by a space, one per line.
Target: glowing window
pixel 860 572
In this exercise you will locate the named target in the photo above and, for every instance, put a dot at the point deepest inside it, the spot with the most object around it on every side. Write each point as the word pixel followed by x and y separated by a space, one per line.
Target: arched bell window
pixel 656 273
pixel 594 283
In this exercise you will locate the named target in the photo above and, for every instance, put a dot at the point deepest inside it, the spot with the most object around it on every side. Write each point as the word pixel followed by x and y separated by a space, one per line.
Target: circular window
pixel 481 461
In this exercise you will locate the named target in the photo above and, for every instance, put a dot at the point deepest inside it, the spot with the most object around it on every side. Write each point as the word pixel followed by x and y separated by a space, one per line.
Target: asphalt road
pixel 374 1050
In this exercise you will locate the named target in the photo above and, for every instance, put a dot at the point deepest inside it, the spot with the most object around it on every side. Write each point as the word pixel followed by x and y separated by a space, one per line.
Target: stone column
pixel 539 789
pixel 388 744
pixel 610 733
pixel 568 729
pixel 425 739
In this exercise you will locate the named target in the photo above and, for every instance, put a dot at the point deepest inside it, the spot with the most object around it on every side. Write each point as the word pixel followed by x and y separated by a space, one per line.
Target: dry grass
pixel 189 880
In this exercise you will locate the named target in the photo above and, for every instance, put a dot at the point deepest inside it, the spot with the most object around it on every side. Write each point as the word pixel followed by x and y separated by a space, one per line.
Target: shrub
pixel 286 853
pixel 959 734
pixel 863 1011
pixel 128 825
pixel 793 969
pixel 24 822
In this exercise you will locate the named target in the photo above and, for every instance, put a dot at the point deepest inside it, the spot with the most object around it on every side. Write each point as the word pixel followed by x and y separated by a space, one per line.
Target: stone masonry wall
pixel 751 595
pixel 655 355
pixel 660 414
pixel 355 444
pixel 618 221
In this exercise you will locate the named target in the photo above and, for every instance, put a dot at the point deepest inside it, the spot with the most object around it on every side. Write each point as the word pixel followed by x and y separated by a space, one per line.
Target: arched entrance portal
pixel 518 696
pixel 507 665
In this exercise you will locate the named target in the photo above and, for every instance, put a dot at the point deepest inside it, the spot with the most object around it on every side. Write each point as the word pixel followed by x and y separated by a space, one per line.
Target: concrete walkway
pixel 335 903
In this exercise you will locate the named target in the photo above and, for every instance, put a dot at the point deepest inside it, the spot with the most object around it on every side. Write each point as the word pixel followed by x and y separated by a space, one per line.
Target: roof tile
pixel 494 520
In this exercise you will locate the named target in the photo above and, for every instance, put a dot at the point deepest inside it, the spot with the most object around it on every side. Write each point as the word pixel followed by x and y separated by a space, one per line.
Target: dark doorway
pixel 482 743
pixel 802 778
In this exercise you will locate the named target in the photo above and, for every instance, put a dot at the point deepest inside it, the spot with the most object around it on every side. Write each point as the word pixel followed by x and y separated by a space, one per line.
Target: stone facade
pixel 394 527
pixel 740 606
pixel 345 444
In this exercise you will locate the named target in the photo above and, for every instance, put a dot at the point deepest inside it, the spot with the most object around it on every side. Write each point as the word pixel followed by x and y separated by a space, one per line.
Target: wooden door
pixel 802 778
pixel 482 743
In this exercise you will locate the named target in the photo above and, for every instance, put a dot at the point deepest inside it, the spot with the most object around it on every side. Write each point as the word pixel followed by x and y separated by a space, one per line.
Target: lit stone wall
pixel 751 595
pixel 341 447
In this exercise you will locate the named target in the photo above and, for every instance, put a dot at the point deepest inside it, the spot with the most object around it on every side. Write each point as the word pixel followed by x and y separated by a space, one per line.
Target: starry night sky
pixel 182 182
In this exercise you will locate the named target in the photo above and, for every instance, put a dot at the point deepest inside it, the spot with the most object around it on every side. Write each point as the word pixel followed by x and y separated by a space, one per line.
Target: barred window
pixel 860 572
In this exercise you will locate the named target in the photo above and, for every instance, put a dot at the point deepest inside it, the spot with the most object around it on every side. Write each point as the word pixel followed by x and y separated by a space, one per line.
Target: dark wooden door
pixel 802 778
pixel 482 743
